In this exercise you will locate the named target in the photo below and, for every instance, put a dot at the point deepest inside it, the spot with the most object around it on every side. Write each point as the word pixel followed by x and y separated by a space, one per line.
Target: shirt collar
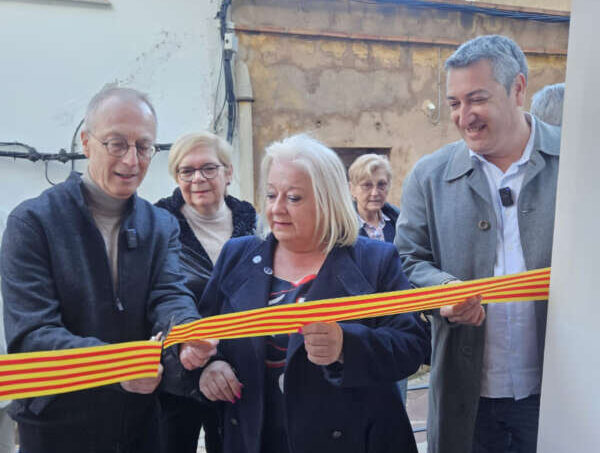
pixel 526 152
pixel 384 218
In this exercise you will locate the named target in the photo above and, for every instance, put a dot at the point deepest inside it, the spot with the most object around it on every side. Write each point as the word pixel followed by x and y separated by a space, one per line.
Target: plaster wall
pixel 570 408
pixel 371 88
pixel 57 54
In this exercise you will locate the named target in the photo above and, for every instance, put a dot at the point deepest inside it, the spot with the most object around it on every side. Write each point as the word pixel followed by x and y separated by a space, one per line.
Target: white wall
pixel 570 407
pixel 54 55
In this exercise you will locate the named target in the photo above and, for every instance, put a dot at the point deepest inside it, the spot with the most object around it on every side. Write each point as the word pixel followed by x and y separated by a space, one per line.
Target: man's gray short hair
pixel 112 90
pixel 547 104
pixel 505 56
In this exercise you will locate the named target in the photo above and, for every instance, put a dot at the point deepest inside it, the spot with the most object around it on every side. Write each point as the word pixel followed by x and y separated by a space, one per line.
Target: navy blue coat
pixel 351 408
pixel 57 285
pixel 196 264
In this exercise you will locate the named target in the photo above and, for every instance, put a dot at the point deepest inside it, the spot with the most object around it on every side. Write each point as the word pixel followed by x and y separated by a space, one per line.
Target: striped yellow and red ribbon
pixel 527 286
pixel 51 372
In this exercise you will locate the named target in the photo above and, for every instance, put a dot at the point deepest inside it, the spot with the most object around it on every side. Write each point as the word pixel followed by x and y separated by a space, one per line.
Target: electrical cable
pixel 33 155
pixel 74 141
pixel 217 116
pixel 227 57
pixel 46 174
pixel 542 17
pixel 230 96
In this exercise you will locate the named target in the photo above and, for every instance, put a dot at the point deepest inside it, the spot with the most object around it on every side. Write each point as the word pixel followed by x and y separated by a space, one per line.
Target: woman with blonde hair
pixel 370 178
pixel 200 163
pixel 331 386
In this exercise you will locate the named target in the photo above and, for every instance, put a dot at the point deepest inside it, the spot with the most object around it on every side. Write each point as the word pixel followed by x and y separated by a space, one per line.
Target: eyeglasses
pixel 381 186
pixel 118 147
pixel 208 171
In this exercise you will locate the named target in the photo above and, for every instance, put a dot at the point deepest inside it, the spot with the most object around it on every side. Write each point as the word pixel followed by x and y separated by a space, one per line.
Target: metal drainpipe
pixel 245 98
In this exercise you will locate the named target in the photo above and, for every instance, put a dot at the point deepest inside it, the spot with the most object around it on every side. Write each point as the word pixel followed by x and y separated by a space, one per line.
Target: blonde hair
pixel 366 165
pixel 187 143
pixel 335 217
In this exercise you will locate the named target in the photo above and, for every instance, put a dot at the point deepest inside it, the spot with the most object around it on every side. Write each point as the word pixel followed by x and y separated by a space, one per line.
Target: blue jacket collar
pixel 339 275
pixel 249 284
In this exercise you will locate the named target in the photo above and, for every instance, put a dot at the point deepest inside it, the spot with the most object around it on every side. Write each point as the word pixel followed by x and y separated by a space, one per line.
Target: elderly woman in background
pixel 331 386
pixel 200 163
pixel 370 177
pixel 547 104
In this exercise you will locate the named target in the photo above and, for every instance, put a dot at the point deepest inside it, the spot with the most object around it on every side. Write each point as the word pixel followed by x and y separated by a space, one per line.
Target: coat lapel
pixel 536 161
pixel 248 286
pixel 463 165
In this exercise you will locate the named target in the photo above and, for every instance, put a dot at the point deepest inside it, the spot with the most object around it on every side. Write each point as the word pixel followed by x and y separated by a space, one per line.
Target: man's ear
pixel 520 89
pixel 85 138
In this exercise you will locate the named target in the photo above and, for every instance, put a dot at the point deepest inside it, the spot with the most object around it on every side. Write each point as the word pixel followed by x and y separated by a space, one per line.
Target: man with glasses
pixel 88 263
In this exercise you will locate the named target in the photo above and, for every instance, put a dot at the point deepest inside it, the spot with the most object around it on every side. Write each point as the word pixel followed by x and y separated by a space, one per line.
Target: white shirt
pixel 511 368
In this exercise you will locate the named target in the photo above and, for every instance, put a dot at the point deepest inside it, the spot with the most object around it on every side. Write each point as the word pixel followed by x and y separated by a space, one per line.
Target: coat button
pixel 336 434
pixel 467 350
pixel 484 225
pixel 234 421
pixel 257 259
pixel 268 270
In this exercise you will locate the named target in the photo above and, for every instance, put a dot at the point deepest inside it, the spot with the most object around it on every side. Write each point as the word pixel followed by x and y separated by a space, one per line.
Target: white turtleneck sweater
pixel 211 231
pixel 107 212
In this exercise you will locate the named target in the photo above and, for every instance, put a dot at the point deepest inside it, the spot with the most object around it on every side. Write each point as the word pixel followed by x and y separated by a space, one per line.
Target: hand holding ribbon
pixel 323 342
pixel 194 354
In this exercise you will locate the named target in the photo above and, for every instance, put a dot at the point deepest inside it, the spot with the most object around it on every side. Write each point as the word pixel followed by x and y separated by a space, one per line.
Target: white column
pixel 246 149
pixel 570 407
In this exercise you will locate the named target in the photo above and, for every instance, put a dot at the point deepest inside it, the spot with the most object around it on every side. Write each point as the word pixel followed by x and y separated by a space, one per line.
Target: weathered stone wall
pixel 362 75
pixel 558 5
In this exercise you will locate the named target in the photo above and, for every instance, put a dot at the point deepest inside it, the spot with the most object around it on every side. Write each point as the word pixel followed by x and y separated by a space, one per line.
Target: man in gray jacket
pixel 476 208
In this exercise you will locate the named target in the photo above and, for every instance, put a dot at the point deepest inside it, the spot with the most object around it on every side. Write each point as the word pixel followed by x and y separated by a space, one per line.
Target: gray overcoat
pixel 447 230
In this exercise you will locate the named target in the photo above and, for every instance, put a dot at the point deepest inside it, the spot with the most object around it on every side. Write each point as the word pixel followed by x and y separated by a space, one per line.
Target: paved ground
pixel 416 406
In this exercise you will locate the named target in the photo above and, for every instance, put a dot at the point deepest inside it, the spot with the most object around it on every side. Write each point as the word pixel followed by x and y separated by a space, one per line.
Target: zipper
pixel 118 302
pixel 115 291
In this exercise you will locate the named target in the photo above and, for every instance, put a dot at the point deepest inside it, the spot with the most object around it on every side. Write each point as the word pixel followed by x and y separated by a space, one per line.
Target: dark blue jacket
pixel 351 408
pixel 57 285
pixel 196 263
pixel 197 267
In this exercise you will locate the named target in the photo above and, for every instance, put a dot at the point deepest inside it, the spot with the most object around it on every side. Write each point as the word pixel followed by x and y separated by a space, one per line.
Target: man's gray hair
pixel 505 56
pixel 112 90
pixel 547 104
